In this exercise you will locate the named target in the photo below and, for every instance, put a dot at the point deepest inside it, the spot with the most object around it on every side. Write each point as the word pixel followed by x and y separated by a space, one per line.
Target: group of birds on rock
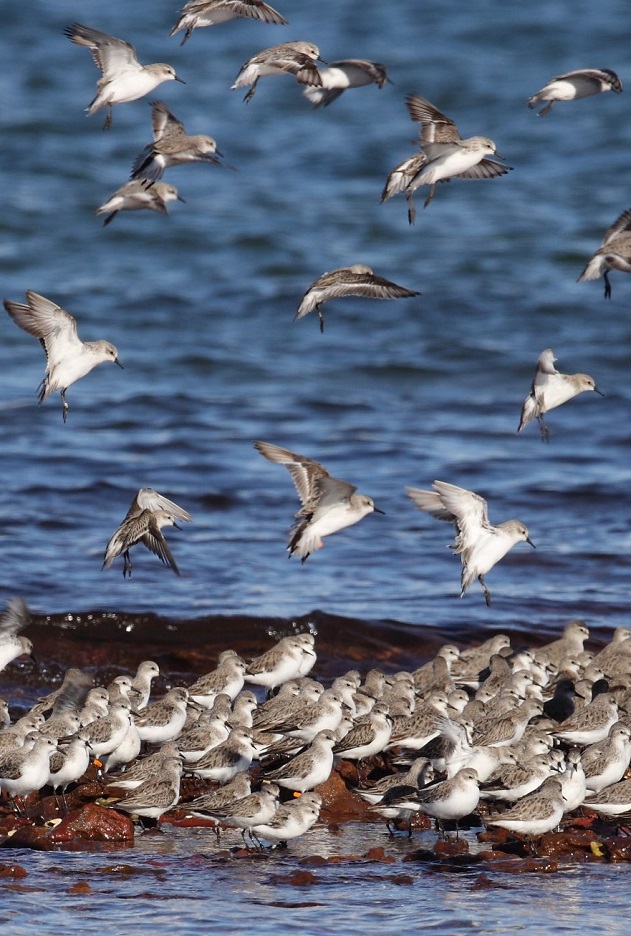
pixel 511 737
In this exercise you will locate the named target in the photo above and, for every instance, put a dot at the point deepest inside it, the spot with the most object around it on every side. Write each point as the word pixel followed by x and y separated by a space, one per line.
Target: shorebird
pixel 68 359
pixel 148 513
pixel 550 389
pixel 444 155
pixel 124 78
pixel 355 280
pixel 151 799
pixel 171 146
pixel 289 58
pixel 535 814
pixel 328 504
pixel 198 13
pixel 337 77
pixel 309 768
pixel 446 801
pixel 15 617
pixel 290 658
pixel 136 195
pixel 584 82
pixel 479 543
pixel 291 819
pixel 613 254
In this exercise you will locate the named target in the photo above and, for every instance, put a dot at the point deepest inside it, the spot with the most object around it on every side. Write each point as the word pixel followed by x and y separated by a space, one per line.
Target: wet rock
pixel 448 848
pixel 13 871
pixel 95 824
pixel 338 803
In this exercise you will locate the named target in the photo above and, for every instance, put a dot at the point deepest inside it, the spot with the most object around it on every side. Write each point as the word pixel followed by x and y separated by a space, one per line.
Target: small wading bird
pixel 337 77
pixel 171 146
pixel 328 504
pixel 136 195
pixel 478 542
pixel 68 358
pixel 198 13
pixel 551 389
pixel 355 280
pixel 124 78
pixel 143 523
pixel 584 82
pixel 289 58
pixel 444 155
pixel 613 254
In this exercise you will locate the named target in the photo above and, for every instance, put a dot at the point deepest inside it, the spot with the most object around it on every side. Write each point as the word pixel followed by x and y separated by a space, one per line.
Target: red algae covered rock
pixel 447 848
pixel 338 803
pixel 13 871
pixel 95 824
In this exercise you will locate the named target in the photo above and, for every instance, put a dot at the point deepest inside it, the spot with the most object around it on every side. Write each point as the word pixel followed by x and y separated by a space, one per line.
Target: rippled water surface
pixel 200 306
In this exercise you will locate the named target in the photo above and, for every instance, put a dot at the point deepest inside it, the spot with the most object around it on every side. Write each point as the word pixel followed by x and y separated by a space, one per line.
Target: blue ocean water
pixel 200 306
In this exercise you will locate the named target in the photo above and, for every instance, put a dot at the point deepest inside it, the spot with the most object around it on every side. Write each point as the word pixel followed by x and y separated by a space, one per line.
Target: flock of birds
pixel 520 737
pixel 328 504
pixel 543 730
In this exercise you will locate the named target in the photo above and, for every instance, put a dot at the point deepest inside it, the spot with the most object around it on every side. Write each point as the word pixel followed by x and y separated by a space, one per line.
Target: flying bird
pixel 328 504
pixel 68 358
pixel 148 513
pixel 550 389
pixel 478 542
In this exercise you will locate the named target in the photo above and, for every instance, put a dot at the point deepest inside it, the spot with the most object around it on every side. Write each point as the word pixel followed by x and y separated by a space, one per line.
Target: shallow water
pixel 200 305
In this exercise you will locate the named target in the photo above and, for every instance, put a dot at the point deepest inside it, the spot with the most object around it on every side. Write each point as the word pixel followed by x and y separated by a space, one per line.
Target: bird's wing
pixel 47 321
pixel 163 121
pixel 15 617
pixel 620 226
pixel 436 127
pixel 148 499
pixel 306 474
pixel 111 55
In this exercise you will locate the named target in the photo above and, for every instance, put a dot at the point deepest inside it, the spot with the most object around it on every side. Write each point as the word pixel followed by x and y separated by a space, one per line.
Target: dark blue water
pixel 200 306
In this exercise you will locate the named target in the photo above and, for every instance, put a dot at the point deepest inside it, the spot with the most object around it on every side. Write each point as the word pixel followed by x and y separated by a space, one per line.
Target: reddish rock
pixel 13 871
pixel 338 803
pixel 95 824
pixel 447 848
pixel 81 887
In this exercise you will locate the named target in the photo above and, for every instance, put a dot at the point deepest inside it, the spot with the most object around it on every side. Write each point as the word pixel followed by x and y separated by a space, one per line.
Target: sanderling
pixel 67 765
pixel 478 542
pixel 289 658
pixel 605 762
pixel 575 633
pixel 124 78
pixel 613 254
pixel 26 770
pixel 328 504
pixel 198 13
pixel 308 769
pixel 514 781
pixel 445 155
pixel 367 737
pixel 163 720
pixel 614 800
pixel 337 77
pixel 138 194
pixel 239 787
pixel 535 814
pixel 507 729
pixel 573 85
pixel 228 677
pixel 202 737
pixel 105 734
pixel 355 280
pixel 153 798
pixel 256 809
pixel 551 389
pixel 148 513
pixel 227 759
pixel 448 800
pixel 68 358
pixel 590 723
pixel 148 768
pixel 140 691
pixel 421 726
pixel 561 706
pixel 291 820
pixel 289 58
pixel 171 146
pixel 15 617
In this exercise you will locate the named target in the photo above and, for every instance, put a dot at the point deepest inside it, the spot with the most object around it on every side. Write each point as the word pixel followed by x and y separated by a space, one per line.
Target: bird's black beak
pixel 181 80
pixel 376 509
pixel 179 198
pixel 528 540
pixel 599 392
pixel 116 361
